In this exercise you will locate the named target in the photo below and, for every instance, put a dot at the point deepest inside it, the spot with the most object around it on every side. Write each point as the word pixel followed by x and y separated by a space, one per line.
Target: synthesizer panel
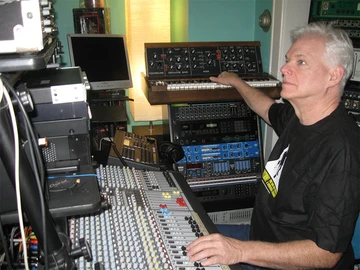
pixel 222 144
pixel 345 15
pixel 351 97
pixel 153 216
pixel 351 100
pixel 218 139
pixel 217 131
pixel 179 72
pixel 199 59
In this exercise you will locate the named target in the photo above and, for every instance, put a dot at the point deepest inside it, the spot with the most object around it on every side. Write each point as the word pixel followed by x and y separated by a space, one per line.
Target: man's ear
pixel 336 75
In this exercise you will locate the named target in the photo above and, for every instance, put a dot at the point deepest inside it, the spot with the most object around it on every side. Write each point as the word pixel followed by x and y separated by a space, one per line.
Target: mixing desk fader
pixel 140 152
pixel 153 217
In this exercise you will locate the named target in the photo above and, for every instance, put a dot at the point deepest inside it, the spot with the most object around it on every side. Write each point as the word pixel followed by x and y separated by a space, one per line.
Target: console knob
pixel 224 191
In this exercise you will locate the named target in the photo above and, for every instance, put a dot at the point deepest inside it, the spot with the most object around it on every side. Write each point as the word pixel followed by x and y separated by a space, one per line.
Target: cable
pixel 118 154
pixel 13 231
pixel 74 176
pixel 39 169
pixel 113 145
pixel 1 89
pixel 41 199
pixel 101 140
pixel 4 2
pixel 17 178
pixel 175 167
pixel 40 180
pixel 5 245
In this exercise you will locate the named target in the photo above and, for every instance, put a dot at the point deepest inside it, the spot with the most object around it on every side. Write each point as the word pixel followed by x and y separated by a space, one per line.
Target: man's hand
pixel 218 249
pixel 255 99
pixel 226 78
pixel 215 249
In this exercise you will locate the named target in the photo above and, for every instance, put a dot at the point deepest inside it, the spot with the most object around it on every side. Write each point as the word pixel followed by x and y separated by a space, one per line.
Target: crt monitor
pixel 104 59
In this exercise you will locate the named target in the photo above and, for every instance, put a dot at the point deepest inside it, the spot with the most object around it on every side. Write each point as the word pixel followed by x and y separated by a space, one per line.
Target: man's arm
pixel 304 254
pixel 255 99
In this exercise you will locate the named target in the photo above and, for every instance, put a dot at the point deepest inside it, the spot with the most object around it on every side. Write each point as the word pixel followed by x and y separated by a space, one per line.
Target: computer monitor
pixel 104 59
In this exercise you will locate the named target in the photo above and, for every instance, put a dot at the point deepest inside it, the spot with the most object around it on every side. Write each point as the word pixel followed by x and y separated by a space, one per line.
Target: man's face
pixel 305 75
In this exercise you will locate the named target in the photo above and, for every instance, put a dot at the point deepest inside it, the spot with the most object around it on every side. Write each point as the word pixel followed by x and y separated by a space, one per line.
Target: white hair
pixel 339 49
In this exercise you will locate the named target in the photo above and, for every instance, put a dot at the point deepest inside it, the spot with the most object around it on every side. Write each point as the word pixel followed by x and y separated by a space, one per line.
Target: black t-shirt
pixel 311 182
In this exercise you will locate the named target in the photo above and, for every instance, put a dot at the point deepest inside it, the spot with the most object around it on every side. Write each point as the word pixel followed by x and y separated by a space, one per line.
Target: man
pixel 306 208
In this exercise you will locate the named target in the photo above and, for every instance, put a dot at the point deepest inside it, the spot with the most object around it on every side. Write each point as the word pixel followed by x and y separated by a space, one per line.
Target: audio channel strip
pixel 153 216
pixel 222 144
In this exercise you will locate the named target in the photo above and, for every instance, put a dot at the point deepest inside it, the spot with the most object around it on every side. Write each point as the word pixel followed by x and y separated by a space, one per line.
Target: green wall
pixel 65 23
pixel 191 20
pixel 179 17
pixel 229 20
pixel 260 35
pixel 221 20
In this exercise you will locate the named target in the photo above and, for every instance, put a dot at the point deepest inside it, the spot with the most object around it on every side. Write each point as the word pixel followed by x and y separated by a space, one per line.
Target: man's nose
pixel 285 69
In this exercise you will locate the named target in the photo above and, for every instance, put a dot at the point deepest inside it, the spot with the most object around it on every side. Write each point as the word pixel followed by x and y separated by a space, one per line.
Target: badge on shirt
pixel 272 173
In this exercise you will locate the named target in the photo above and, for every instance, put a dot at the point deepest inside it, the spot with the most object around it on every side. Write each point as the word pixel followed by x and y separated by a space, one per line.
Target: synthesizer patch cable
pixel 152 218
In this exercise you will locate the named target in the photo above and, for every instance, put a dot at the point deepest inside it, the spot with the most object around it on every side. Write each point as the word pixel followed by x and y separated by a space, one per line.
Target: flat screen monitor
pixel 104 59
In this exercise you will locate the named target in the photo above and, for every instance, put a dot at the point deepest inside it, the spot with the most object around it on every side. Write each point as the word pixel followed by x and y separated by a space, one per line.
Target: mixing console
pixel 140 152
pixel 153 217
